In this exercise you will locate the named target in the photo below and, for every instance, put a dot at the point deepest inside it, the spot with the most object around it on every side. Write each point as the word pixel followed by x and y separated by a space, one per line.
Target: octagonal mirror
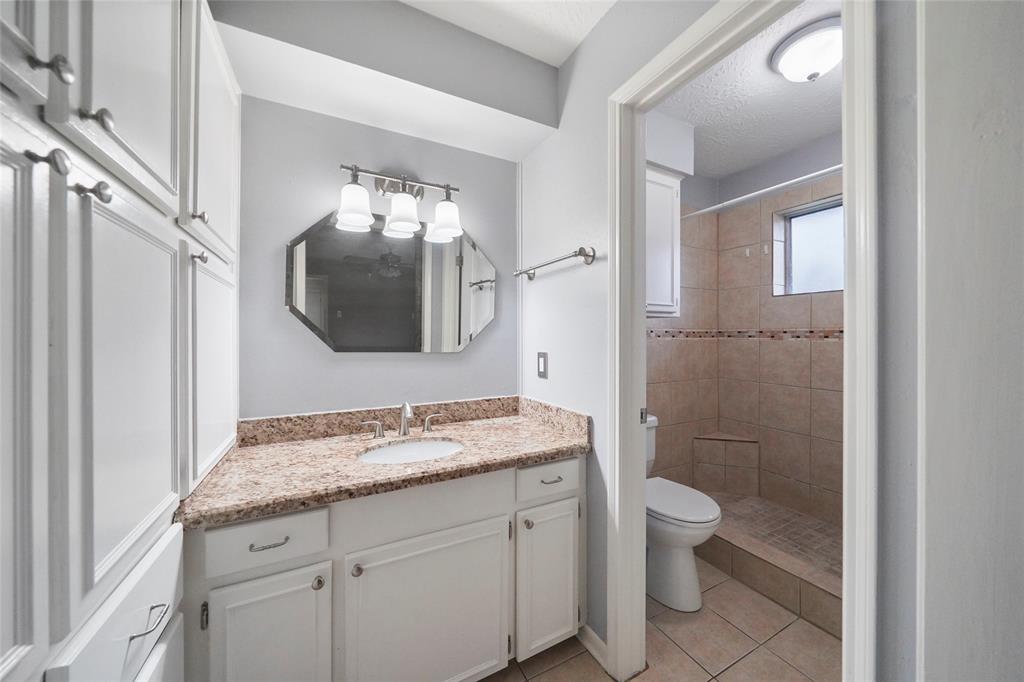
pixel 364 292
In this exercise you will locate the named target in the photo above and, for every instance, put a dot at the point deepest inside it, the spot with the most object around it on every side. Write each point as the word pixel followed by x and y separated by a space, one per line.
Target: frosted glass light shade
pixel 351 228
pixel 446 218
pixel 811 52
pixel 354 208
pixel 390 231
pixel 435 236
pixel 404 217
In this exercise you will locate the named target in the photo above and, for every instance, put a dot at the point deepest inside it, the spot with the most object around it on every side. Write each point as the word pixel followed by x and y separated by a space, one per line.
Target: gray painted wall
pixel 397 39
pixel 290 179
pixel 814 156
pixel 565 205
pixel 669 142
pixel 699 192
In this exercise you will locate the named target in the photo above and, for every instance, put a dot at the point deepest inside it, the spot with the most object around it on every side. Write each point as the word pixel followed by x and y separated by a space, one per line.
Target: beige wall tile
pixel 827 464
pixel 828 186
pixel 769 580
pixel 689 268
pixel 690 309
pixel 701 232
pixel 739 267
pixel 683 359
pixel 738 308
pixel 741 454
pixel 827 414
pixel 709 425
pixel 738 400
pixel 707 358
pixel 716 552
pixel 784 312
pixel 737 428
pixel 709 309
pixel 742 481
pixel 707 390
pixel 737 359
pixel 827 505
pixel 785 491
pixel 659 403
pixel 767 274
pixel 827 310
pixel 821 608
pixel 657 360
pixel 785 407
pixel 827 364
pixel 739 226
pixel 785 200
pixel 708 269
pixel 786 454
pixel 680 474
pixel 685 396
pixel 709 451
pixel 785 361
pixel 709 477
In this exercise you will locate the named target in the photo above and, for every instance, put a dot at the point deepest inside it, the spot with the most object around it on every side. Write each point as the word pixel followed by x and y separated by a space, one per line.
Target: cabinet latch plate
pixel 204 616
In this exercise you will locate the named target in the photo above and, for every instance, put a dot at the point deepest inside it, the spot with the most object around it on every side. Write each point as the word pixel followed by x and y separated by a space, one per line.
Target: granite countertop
pixel 262 480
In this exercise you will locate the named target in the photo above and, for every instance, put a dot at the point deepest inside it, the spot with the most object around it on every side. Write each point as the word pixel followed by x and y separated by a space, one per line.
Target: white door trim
pixel 726 26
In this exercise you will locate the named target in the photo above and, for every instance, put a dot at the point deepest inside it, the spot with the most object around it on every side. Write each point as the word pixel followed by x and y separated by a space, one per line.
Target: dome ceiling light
pixel 810 52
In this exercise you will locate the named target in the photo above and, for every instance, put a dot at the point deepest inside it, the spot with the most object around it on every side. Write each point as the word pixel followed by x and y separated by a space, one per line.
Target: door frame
pixel 725 27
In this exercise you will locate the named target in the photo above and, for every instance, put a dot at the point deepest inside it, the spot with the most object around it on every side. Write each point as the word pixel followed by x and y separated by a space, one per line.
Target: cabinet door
pixel 213 373
pixel 123 109
pixel 24 533
pixel 274 628
pixel 433 607
pixel 210 209
pixel 547 574
pixel 117 351
pixel 24 49
pixel 663 247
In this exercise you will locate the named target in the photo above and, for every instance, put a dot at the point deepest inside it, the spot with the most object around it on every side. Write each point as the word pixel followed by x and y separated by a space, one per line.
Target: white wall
pixel 290 179
pixel 565 205
pixel 971 172
pixel 816 155
pixel 669 142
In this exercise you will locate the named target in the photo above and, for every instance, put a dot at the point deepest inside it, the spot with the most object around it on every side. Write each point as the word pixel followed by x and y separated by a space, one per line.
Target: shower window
pixel 809 248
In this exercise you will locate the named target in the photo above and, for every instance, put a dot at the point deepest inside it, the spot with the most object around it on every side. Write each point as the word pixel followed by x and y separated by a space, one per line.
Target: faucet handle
pixel 407 410
pixel 427 426
pixel 378 428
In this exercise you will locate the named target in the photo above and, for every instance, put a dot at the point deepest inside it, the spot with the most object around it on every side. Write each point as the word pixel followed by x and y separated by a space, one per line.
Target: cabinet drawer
pixel 257 543
pixel 547 479
pixel 167 662
pixel 114 643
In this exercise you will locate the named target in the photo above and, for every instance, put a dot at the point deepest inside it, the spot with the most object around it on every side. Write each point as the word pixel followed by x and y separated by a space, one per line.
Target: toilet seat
pixel 680 505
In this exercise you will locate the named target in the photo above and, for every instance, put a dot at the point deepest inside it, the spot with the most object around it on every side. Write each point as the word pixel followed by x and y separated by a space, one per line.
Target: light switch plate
pixel 542 365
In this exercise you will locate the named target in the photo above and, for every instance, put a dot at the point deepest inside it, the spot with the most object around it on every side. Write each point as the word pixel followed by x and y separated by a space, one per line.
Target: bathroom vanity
pixel 303 561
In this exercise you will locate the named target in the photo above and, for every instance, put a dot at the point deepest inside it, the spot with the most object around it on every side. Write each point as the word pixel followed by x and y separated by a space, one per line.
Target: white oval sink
pixel 411 451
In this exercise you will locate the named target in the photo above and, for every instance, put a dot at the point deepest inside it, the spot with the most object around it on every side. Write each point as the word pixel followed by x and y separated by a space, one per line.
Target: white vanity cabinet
pixel 210 197
pixel 25 59
pixel 273 628
pixel 124 108
pixel 439 601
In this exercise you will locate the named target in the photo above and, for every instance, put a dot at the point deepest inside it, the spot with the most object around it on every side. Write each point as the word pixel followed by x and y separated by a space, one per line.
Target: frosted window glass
pixel 815 251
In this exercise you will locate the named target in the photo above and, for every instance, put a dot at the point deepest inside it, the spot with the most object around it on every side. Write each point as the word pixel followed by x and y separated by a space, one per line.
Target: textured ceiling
pixel 548 30
pixel 744 113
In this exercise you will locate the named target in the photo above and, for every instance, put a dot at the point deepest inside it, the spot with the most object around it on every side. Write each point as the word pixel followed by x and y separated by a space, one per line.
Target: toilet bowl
pixel 678 519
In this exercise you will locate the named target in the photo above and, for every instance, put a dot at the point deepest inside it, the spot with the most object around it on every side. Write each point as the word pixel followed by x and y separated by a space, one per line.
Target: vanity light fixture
pixel 810 52
pixel 403 220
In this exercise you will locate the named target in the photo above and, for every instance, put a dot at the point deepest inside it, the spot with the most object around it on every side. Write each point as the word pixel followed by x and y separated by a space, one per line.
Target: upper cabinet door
pixel 210 204
pixel 124 107
pixel 25 55
pixel 663 244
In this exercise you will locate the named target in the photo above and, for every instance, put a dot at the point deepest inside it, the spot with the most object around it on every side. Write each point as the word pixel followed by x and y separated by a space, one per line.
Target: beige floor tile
pixel 510 674
pixel 654 607
pixel 580 668
pixel 813 652
pixel 549 658
pixel 707 637
pixel 756 615
pixel 762 666
pixel 707 575
pixel 667 662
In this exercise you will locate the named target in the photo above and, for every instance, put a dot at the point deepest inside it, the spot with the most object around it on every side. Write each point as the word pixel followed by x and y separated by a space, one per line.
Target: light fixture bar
pixel 397 178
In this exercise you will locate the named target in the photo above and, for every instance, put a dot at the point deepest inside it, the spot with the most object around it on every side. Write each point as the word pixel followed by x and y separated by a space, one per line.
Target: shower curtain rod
pixel 767 190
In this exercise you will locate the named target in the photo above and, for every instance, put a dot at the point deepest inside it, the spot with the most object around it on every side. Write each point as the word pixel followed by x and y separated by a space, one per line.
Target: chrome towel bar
pixel 587 253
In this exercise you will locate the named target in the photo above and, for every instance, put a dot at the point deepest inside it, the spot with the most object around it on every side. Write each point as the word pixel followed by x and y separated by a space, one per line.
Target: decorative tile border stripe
pixel 745 334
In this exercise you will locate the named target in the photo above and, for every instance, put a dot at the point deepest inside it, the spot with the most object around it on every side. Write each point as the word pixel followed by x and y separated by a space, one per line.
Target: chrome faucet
pixel 406 415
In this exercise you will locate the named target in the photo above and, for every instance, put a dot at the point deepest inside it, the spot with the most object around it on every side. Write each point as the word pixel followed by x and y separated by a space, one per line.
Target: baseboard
pixel 594 644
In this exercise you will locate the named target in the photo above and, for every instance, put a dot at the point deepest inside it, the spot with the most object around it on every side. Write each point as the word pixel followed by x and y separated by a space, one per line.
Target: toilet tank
pixel 652 425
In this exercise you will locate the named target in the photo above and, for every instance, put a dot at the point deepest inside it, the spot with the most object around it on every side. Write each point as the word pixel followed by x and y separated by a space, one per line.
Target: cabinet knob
pixel 357 571
pixel 58 65
pixel 101 190
pixel 528 523
pixel 202 216
pixel 57 159
pixel 103 116
pixel 319 582
pixel 202 257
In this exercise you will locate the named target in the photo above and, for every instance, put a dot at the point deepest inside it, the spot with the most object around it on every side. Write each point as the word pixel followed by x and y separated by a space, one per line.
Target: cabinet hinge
pixel 579 509
pixel 458 261
pixel 579 616
pixel 510 644
pixel 509 530
pixel 204 616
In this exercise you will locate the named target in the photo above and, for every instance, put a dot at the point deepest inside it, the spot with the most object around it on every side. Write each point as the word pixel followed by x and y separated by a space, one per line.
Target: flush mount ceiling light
pixel 403 219
pixel 809 53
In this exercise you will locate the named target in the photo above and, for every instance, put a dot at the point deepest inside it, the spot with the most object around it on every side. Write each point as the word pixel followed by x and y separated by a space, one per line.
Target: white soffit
pixel 274 70
pixel 548 30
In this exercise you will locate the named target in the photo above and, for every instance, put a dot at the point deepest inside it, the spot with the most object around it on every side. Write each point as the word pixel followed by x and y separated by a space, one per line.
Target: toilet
pixel 678 519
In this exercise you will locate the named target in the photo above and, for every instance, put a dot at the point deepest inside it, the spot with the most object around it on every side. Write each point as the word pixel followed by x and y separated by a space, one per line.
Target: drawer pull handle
pixel 557 480
pixel 357 570
pixel 272 545
pixel 201 257
pixel 529 524
pixel 319 582
pixel 58 65
pixel 164 608
pixel 202 217
pixel 101 190
pixel 57 159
